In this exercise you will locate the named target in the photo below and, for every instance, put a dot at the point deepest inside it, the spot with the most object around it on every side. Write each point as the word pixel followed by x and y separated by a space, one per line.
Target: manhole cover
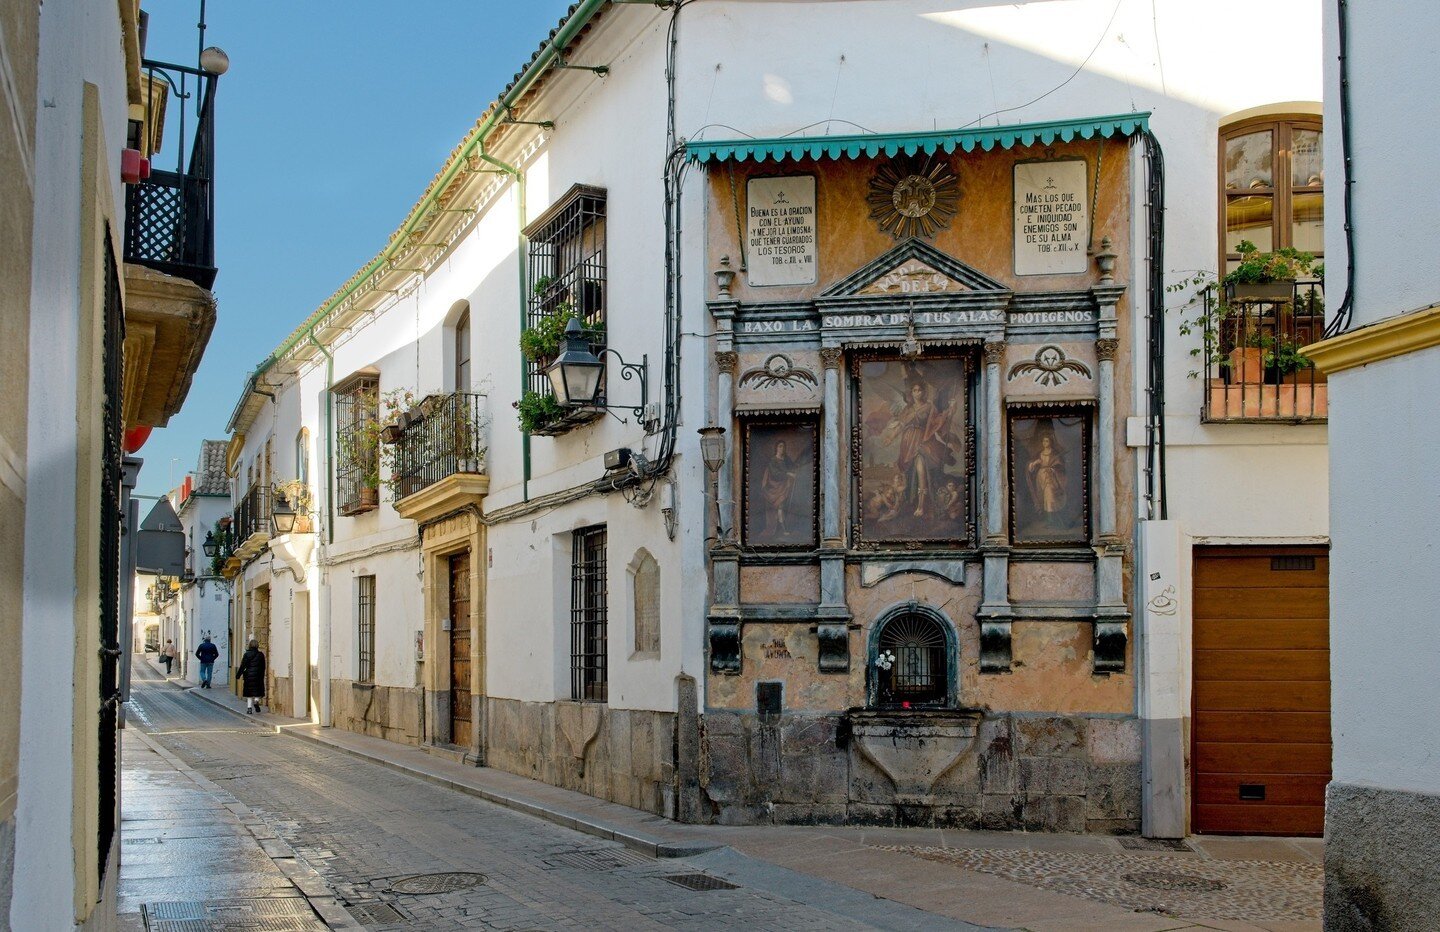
pixel 1169 880
pixel 1135 843
pixel 422 884
pixel 375 913
pixel 280 914
pixel 700 882
pixel 604 859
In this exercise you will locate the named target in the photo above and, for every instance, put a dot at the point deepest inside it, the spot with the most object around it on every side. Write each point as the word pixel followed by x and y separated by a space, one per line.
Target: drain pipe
pixel 521 249
pixel 320 606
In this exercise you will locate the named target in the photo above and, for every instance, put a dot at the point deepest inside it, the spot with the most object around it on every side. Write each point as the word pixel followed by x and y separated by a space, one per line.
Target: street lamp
pixel 282 516
pixel 213 60
pixel 211 545
pixel 712 447
pixel 575 375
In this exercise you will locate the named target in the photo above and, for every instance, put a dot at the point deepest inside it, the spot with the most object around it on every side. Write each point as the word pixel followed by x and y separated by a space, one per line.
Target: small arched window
pixel 911 662
pixel 462 352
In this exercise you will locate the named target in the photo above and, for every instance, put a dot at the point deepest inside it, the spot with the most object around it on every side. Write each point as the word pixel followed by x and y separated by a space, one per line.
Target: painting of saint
pixel 780 485
pixel 1048 463
pixel 914 478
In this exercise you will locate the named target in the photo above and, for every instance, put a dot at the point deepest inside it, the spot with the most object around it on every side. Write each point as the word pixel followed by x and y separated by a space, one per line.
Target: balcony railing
pixel 252 516
pixel 1255 366
pixel 448 438
pixel 170 216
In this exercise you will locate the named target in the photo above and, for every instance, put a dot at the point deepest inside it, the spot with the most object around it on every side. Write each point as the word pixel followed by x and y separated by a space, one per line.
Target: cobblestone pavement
pixel 400 853
pixel 1252 891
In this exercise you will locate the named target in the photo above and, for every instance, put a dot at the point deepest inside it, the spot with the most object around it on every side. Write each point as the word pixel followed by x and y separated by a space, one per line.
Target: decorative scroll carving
pixel 994 353
pixel 830 357
pixel 779 369
pixel 724 646
pixel 1111 635
pixel 834 647
pixel 727 360
pixel 1050 367
pixel 995 654
pixel 1105 348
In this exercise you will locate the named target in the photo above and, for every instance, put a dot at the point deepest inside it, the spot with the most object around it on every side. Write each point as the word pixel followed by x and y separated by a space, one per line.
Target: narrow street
pixel 392 851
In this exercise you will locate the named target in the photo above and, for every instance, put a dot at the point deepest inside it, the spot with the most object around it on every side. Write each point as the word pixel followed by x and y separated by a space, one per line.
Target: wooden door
pixel 1260 751
pixel 460 649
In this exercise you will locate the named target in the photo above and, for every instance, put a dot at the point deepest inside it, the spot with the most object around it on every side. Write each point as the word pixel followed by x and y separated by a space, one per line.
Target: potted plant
pixel 540 342
pixel 537 411
pixel 1265 277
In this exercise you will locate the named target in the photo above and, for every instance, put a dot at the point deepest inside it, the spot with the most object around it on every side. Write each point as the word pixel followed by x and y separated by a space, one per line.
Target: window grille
pixel 357 452
pixel 112 426
pixel 365 628
pixel 588 675
pixel 914 647
pixel 567 267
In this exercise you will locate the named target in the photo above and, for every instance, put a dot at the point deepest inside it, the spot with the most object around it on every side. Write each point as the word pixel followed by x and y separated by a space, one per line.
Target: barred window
pixel 911 663
pixel 567 270
pixel 588 676
pixel 365 628
pixel 357 450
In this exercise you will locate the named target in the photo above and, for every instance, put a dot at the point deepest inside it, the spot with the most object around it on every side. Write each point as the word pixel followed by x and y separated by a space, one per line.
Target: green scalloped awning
pixel 870 145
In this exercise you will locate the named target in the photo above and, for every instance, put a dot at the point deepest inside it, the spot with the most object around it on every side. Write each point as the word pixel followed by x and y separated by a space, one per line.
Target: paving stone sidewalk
pixel 997 879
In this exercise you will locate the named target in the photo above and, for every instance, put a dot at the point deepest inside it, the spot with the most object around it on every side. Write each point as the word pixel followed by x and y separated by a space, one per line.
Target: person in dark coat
pixel 252 676
pixel 207 652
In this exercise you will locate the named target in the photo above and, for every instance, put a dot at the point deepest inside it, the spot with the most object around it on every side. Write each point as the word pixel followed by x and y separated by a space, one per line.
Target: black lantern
pixel 211 545
pixel 282 516
pixel 575 373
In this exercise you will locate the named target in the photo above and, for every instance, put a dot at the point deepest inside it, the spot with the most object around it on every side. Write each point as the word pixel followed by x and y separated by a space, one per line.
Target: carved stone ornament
pixel 834 646
pixel 1050 367
pixel 1105 348
pixel 727 361
pixel 830 357
pixel 914 197
pixel 725 646
pixel 995 353
pixel 1111 635
pixel 778 370
pixel 995 655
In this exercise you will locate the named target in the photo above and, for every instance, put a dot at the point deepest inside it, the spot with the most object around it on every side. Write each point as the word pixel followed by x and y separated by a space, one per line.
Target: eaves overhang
pixel 871 145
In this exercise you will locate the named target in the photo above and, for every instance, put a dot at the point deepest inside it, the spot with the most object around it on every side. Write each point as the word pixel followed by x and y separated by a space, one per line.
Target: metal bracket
pixel 601 70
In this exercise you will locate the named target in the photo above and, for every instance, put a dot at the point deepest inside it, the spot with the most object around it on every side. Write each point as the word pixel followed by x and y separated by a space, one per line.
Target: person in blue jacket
pixel 207 653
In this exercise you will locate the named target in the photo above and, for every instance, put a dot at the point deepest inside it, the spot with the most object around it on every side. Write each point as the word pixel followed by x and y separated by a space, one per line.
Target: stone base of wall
pixel 993 771
pixel 622 755
pixel 1381 848
pixel 281 697
pixel 389 712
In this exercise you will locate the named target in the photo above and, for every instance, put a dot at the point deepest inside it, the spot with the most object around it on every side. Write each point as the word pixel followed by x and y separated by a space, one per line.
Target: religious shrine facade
pixel 920 583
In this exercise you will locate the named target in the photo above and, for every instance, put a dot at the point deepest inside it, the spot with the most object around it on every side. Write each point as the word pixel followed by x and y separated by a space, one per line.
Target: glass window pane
pixel 1249 161
pixel 1308 222
pixel 1306 165
pixel 1250 217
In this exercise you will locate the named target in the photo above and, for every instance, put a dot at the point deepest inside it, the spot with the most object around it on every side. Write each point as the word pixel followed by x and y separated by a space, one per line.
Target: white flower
pixel 885 660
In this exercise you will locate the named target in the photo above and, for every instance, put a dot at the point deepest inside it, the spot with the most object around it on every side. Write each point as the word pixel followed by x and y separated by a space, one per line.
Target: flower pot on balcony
pixel 1259 292
pixel 391 433
pixel 1247 364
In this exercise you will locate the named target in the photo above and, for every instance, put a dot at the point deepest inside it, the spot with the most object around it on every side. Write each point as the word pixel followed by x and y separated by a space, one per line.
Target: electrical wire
pixel 1341 321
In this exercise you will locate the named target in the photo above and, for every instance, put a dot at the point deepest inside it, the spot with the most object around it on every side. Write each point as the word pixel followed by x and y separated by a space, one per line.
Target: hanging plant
pixel 537 410
pixel 542 340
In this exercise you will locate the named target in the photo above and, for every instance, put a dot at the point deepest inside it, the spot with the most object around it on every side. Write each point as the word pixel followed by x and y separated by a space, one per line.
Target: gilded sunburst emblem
pixel 914 197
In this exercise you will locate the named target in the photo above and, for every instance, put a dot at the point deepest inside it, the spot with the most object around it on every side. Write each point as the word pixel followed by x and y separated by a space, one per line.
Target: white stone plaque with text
pixel 780 230
pixel 1052 226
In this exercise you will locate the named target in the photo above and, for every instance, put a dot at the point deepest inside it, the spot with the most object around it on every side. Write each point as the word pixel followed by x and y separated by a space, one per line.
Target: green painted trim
pixel 584 11
pixel 870 145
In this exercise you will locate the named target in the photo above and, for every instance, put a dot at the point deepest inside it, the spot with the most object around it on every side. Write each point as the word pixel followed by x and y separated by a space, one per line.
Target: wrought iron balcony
pixel 445 438
pixel 251 525
pixel 170 216
pixel 1255 367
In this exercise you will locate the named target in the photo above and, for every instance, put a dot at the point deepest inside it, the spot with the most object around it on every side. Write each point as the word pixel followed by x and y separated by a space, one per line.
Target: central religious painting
pixel 913 451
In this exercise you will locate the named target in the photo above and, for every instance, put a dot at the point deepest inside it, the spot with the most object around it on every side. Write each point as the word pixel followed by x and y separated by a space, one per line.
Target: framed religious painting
pixel 779 485
pixel 913 455
pixel 1050 476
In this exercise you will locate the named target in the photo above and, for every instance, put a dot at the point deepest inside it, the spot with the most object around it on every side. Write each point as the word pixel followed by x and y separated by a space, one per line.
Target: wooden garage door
pixel 1261 735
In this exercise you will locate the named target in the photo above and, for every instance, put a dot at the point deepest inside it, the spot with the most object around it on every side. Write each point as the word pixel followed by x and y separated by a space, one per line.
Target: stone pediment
pixel 913 268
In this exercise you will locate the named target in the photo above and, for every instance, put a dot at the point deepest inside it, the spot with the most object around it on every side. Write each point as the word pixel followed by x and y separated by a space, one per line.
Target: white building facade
pixel 582 601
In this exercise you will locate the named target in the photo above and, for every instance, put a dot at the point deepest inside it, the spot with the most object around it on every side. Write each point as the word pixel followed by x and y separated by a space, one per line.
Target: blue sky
pixel 333 117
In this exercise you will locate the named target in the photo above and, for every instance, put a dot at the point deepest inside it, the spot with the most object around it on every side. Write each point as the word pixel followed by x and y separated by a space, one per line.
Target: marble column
pixel 833 615
pixel 724 621
pixel 1111 615
pixel 994 614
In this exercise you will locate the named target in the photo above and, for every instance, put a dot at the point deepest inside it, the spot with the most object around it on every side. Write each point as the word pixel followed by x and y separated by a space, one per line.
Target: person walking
pixel 252 676
pixel 206 653
pixel 167 655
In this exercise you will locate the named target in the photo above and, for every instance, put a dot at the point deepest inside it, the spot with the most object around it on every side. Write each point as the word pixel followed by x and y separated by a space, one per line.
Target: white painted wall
pixel 79 44
pixel 204 605
pixel 1386 451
